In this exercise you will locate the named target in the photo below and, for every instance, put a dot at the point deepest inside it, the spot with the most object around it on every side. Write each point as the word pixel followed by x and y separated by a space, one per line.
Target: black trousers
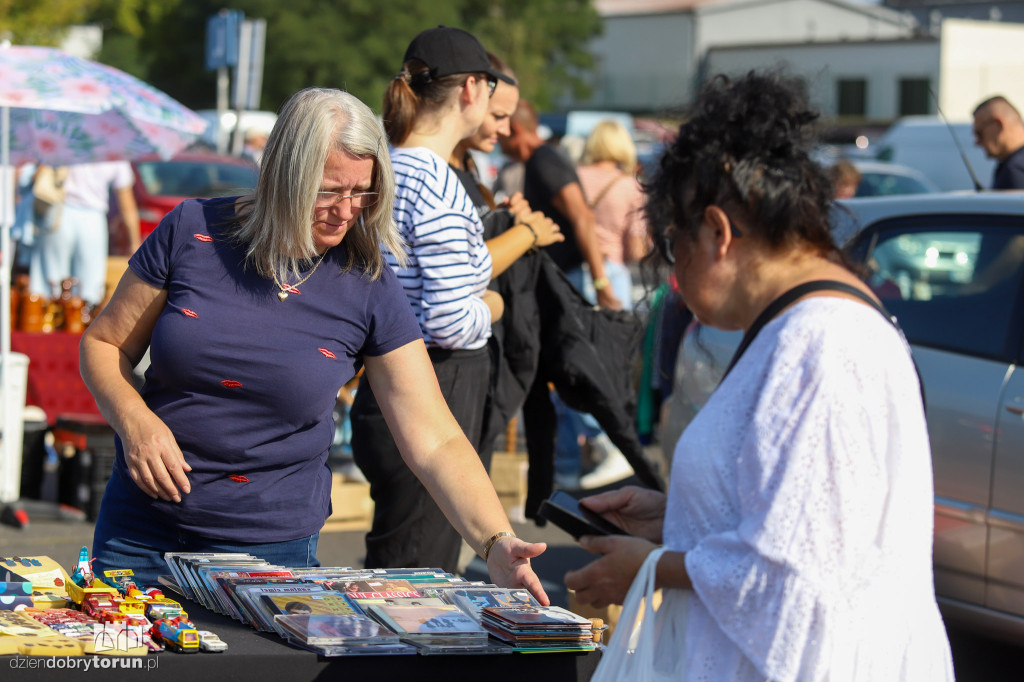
pixel 409 529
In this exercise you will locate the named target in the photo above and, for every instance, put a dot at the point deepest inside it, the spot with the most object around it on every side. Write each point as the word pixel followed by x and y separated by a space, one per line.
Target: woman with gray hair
pixel 256 310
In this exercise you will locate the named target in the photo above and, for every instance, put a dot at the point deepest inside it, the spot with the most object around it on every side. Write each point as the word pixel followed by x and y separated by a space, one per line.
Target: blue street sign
pixel 222 39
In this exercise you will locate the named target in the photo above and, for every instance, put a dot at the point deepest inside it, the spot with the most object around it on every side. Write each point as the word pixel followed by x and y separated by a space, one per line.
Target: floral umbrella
pixel 68 110
pixel 59 110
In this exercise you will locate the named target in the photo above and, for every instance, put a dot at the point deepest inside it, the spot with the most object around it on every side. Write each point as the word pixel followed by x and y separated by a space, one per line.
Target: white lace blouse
pixel 802 496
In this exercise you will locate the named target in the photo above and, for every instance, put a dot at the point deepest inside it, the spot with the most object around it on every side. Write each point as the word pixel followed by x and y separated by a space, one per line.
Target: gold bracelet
pixel 601 283
pixel 494 538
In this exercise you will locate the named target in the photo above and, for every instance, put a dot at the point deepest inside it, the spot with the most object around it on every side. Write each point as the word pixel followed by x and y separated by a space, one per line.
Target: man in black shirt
pixel 998 130
pixel 550 185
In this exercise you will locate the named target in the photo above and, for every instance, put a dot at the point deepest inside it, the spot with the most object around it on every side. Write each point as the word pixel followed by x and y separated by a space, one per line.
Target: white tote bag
pixel 649 645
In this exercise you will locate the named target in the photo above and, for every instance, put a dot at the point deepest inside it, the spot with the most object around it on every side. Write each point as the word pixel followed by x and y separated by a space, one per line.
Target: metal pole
pixel 10 476
pixel 222 107
pixel 241 85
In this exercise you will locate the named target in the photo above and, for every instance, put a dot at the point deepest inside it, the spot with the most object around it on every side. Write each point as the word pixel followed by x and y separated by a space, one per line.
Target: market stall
pixel 260 656
pixel 250 653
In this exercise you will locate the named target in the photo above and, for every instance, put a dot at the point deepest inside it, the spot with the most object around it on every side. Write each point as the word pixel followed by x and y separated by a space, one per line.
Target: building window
pixel 852 96
pixel 914 97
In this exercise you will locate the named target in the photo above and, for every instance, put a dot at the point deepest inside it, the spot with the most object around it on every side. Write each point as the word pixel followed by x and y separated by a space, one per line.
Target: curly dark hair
pixel 746 148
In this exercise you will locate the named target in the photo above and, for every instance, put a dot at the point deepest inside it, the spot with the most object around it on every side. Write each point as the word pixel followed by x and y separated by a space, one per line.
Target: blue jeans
pixel 617 273
pixel 131 545
pixel 78 248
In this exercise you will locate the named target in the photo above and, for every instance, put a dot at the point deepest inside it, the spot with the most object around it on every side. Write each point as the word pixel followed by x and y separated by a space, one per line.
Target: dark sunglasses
pixel 492 84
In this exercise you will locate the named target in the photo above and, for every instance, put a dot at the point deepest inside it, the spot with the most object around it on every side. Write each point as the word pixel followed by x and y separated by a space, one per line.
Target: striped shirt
pixel 449 264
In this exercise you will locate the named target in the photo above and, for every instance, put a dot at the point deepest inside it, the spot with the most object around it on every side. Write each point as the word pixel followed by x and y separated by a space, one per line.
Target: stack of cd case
pixel 539 628
pixel 340 635
pixel 436 629
pixel 343 611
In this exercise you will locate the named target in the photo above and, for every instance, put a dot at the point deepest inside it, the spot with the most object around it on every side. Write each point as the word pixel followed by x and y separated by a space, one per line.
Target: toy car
pixel 164 608
pixel 177 634
pixel 210 642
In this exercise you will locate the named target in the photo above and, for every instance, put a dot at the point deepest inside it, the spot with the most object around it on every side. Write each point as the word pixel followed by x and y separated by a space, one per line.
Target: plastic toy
pixel 177 634
pixel 210 642
pixel 83 575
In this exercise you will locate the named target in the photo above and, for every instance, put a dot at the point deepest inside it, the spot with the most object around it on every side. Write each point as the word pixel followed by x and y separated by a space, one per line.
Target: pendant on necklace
pixel 282 295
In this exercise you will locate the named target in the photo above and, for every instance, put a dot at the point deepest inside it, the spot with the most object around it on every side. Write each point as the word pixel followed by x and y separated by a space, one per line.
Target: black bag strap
pixel 797 292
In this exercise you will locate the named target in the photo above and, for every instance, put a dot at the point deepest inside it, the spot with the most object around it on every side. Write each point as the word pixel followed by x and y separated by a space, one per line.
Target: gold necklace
pixel 284 289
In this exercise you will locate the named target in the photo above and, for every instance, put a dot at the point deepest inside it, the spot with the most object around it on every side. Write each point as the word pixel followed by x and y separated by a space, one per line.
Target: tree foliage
pixel 356 44
pixel 41 22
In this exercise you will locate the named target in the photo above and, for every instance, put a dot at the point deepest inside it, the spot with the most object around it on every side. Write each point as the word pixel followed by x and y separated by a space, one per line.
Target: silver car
pixel 951 268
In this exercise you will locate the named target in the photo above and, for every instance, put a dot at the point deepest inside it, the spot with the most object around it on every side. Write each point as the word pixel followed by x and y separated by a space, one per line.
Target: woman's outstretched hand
pixel 508 564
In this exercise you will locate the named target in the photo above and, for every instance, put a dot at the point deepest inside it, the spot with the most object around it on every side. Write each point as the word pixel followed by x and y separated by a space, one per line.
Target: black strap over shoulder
pixel 794 294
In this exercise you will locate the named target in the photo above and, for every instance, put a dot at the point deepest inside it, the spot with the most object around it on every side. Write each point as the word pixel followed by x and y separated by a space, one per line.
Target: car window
pixel 195 178
pixel 952 288
pixel 886 184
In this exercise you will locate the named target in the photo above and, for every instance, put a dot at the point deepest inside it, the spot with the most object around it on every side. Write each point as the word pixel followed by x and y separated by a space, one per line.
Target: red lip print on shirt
pixel 237 478
pixel 189 312
pixel 328 354
pixel 203 237
pixel 231 383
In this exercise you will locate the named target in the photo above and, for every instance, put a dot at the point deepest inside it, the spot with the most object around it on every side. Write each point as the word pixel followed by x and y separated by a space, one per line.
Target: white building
pixel 861 62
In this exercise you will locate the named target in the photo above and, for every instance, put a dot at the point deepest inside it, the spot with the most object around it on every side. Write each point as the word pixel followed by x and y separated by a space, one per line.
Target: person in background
pixel 845 179
pixel 799 512
pixel 607 176
pixel 439 97
pixel 506 246
pixel 998 130
pixel 256 309
pixel 485 138
pixel 78 247
pixel 612 192
pixel 501 221
pixel 551 186
pixel 255 143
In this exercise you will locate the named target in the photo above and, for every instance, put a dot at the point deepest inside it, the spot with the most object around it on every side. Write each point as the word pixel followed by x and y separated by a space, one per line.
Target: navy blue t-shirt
pixel 1009 174
pixel 247 382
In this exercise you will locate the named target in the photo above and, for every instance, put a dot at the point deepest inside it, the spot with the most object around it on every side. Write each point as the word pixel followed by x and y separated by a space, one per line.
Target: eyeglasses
pixel 360 200
pixel 492 84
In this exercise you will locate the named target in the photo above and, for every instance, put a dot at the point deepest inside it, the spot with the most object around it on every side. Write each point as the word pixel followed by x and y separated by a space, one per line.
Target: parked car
pixel 951 268
pixel 878 179
pixel 161 184
pixel 926 144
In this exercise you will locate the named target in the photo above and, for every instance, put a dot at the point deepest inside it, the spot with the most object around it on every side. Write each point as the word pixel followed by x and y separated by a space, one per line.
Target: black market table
pixel 255 656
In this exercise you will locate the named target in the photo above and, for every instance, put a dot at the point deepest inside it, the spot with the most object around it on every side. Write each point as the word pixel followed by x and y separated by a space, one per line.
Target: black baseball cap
pixel 447 51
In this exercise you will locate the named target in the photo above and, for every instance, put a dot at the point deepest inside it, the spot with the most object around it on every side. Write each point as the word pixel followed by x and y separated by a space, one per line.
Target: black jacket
pixel 550 333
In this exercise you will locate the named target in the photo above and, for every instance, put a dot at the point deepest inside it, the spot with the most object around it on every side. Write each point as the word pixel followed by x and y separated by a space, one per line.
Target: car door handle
pixel 1015 409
